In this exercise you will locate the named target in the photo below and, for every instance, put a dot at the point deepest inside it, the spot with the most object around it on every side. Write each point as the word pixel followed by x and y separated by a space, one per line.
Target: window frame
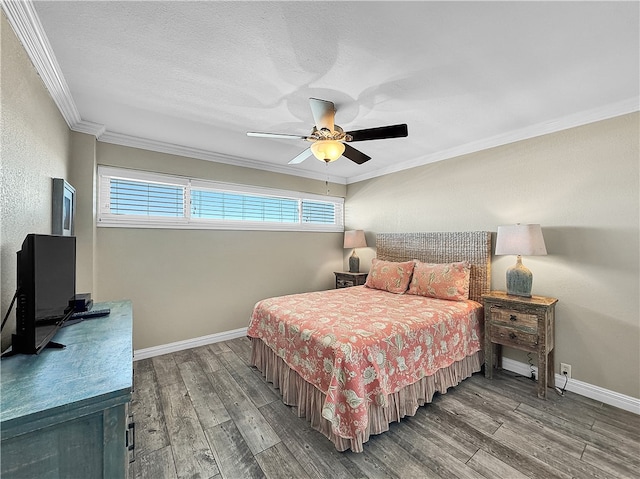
pixel 107 219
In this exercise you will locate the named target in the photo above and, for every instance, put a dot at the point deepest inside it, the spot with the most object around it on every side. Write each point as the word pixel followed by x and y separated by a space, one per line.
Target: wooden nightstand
pixel 345 279
pixel 521 323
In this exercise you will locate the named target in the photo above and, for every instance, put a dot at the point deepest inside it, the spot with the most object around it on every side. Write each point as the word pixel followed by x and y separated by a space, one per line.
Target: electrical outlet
pixel 565 370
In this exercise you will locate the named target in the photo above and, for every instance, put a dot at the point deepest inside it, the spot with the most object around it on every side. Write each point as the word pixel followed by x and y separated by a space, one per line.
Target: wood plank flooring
pixel 204 413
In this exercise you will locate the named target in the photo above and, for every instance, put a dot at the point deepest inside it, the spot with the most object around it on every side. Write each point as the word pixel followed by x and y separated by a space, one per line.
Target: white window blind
pixel 141 199
pixel 318 212
pixel 220 205
pixel 128 197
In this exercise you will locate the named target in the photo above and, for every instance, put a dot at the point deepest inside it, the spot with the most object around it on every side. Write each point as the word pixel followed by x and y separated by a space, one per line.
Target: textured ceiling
pixel 462 75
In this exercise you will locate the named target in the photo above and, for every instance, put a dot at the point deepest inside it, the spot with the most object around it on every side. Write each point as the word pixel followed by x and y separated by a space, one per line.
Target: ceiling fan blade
pixel 276 135
pixel 323 112
pixel 301 157
pixel 380 133
pixel 355 155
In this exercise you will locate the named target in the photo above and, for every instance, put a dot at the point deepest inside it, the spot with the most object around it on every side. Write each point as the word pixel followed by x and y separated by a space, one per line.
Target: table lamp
pixel 354 239
pixel 521 240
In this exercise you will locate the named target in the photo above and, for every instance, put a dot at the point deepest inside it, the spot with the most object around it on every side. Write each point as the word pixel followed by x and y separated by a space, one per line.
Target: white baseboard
pixel 597 393
pixel 188 344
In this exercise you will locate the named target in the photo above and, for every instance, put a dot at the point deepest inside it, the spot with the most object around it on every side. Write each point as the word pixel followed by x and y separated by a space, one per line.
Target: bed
pixel 353 360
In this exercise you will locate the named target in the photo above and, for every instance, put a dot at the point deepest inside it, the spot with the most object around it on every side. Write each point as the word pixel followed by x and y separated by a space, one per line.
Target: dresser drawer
pixel 514 318
pixel 512 336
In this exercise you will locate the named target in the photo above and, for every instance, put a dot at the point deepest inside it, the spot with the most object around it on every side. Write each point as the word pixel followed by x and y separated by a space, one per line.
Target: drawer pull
pixel 513 317
pixel 513 335
pixel 130 435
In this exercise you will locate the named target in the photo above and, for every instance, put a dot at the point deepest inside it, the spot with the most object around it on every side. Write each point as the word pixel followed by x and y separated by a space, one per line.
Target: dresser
pixel 64 411
pixel 526 324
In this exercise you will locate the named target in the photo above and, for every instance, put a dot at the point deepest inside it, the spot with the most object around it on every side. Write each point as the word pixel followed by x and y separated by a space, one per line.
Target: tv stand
pixel 54 345
pixel 64 413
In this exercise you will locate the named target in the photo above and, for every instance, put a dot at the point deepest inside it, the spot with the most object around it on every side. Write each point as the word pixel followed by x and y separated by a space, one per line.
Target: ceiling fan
pixel 328 139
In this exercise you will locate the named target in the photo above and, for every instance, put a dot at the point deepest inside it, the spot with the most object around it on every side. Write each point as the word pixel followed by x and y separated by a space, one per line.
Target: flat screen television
pixel 46 290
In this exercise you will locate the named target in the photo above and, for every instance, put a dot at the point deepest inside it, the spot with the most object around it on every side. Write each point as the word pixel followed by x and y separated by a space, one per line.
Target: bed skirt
pixel 309 400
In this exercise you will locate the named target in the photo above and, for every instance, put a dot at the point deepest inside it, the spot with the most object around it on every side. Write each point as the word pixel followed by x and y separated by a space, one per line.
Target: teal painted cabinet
pixel 64 412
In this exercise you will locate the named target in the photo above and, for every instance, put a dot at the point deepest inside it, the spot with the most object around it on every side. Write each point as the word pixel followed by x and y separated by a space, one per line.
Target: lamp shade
pixel 354 239
pixel 523 240
pixel 327 150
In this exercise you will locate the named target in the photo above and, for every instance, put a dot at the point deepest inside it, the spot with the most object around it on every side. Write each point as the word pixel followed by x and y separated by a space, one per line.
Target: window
pixel 131 198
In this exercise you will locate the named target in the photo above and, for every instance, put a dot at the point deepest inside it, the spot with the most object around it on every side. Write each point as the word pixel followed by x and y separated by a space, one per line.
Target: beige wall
pixel 82 175
pixel 35 147
pixel 190 283
pixel 121 156
pixel 581 185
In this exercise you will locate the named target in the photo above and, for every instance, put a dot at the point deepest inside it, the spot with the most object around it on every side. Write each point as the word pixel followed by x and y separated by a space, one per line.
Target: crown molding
pixel 90 128
pixel 173 149
pixel 612 110
pixel 26 24
pixel 570 121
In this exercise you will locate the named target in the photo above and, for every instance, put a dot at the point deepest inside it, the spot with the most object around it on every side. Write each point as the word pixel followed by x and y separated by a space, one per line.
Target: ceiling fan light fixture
pixel 327 150
pixel 329 141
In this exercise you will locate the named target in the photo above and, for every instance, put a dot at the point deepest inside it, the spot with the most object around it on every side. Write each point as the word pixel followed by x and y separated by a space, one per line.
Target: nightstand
pixel 521 323
pixel 345 280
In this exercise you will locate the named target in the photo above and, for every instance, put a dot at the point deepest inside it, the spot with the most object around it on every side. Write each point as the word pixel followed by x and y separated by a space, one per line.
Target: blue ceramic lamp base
pixel 519 280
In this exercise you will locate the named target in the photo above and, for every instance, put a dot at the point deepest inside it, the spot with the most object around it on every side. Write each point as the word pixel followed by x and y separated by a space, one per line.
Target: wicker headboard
pixel 446 247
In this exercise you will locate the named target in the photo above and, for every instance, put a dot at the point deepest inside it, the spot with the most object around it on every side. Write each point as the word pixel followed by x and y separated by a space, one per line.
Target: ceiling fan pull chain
pixel 326 182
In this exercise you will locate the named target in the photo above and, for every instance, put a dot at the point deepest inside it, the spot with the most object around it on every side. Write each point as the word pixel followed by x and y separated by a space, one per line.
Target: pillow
pixel 442 281
pixel 389 276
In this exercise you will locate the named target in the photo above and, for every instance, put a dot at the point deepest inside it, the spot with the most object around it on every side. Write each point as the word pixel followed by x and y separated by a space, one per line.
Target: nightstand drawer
pixel 513 337
pixel 344 283
pixel 346 280
pixel 514 318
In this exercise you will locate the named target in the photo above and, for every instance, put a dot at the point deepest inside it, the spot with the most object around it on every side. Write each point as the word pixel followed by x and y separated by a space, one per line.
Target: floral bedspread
pixel 357 345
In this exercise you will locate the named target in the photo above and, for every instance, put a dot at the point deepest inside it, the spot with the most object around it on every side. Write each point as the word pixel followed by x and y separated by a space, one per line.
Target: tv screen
pixel 46 289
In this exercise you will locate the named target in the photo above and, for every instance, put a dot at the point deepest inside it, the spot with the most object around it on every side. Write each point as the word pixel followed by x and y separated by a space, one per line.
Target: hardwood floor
pixel 204 413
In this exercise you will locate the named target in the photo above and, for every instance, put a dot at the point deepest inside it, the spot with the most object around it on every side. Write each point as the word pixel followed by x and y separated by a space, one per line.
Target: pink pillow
pixel 389 276
pixel 442 281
